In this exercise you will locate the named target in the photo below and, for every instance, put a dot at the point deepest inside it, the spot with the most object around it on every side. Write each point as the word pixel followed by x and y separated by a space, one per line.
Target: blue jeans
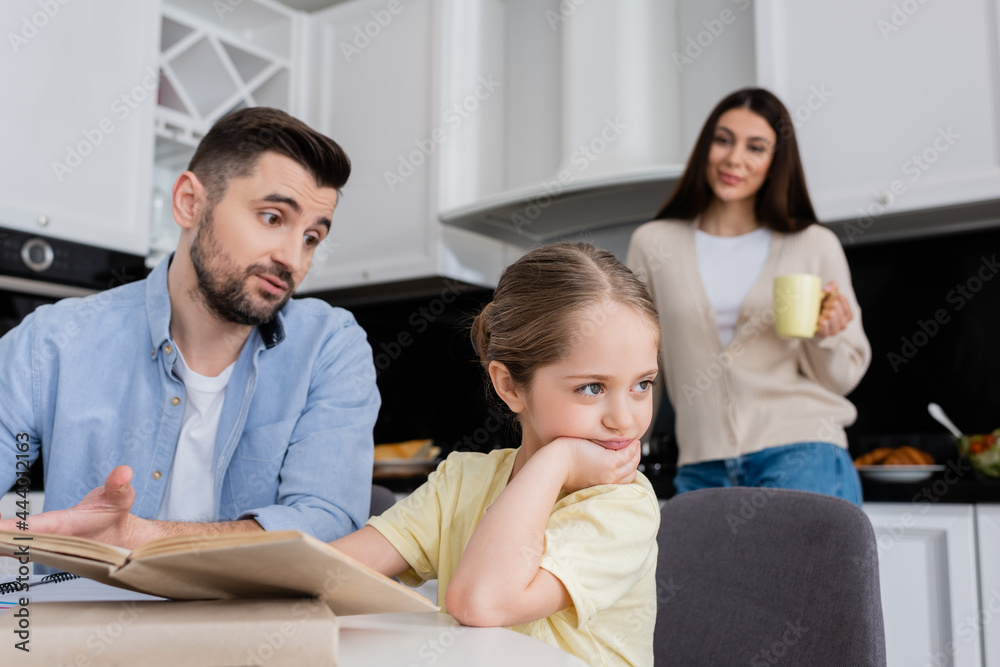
pixel 819 467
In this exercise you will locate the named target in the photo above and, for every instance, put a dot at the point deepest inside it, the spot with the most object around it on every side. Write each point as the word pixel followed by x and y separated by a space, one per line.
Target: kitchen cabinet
pixel 404 87
pixel 988 620
pixel 369 74
pixel 214 58
pixel 894 103
pixel 590 133
pixel 80 87
pixel 928 569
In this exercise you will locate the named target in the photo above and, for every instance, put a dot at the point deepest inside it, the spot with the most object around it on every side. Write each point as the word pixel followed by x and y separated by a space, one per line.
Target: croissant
pixel 889 456
pixel 908 456
pixel 873 457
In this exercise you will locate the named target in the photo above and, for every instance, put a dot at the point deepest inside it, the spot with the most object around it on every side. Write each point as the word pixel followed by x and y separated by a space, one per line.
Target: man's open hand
pixel 103 515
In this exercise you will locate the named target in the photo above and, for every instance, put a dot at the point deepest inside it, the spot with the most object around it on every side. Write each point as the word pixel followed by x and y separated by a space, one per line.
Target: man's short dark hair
pixel 238 139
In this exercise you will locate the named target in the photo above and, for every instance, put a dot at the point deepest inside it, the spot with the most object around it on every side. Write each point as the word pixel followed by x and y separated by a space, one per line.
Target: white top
pixel 190 494
pixel 729 266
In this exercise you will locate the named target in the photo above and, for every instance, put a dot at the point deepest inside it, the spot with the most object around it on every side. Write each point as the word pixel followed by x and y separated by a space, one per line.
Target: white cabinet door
pixel 929 580
pixel 988 532
pixel 894 103
pixel 375 83
pixel 80 84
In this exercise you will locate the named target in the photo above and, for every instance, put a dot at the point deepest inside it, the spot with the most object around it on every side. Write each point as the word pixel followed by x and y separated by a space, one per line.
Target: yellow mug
pixel 797 298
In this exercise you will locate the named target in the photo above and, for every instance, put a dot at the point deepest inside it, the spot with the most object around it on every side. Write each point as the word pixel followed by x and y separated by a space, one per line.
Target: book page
pixel 294 565
pixel 208 541
pixel 11 541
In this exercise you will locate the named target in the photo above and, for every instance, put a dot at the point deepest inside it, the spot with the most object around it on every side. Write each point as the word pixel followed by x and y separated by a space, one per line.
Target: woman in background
pixel 752 409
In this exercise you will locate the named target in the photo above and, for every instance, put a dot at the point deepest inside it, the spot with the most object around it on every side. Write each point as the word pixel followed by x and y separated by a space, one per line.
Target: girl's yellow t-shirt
pixel 600 542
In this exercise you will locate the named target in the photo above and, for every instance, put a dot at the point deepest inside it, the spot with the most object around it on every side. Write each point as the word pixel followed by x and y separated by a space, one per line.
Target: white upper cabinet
pixel 215 57
pixel 393 86
pixel 80 87
pixel 590 134
pixel 895 103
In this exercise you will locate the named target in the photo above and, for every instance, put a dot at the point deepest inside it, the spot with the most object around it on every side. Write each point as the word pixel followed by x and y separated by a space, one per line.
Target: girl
pixel 752 409
pixel 557 538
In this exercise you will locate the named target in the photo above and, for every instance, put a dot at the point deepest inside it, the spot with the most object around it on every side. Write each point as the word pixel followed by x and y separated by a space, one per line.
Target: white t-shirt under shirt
pixel 729 266
pixel 190 494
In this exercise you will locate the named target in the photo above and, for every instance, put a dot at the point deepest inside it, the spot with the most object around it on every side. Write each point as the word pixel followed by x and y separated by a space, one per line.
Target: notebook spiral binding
pixel 15 586
pixel 57 578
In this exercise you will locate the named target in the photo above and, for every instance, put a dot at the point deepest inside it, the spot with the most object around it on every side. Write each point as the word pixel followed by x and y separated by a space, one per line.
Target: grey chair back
pixel 762 577
pixel 382 499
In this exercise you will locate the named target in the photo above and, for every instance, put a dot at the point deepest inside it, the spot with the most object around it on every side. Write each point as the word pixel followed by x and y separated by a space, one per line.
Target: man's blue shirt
pixel 91 382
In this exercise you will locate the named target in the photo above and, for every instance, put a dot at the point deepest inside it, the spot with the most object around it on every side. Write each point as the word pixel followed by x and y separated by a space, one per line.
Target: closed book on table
pixel 209 633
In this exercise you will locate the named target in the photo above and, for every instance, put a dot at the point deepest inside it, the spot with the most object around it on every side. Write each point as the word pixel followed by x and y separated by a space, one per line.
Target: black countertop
pixel 957 483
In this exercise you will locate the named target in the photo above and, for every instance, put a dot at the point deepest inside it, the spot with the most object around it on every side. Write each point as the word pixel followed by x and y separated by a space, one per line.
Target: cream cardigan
pixel 760 391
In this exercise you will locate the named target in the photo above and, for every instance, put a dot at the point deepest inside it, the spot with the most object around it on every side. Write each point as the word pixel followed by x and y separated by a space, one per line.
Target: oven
pixel 36 270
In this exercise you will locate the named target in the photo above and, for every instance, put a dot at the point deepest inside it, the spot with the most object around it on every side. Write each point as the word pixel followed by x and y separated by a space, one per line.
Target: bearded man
pixel 217 402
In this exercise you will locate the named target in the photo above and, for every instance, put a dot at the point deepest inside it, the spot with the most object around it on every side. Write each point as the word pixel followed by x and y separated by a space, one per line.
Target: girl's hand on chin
pixel 589 464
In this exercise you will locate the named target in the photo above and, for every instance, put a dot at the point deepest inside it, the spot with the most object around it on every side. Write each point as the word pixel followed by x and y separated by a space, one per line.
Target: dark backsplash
pixel 931 309
pixel 931 341
pixel 432 386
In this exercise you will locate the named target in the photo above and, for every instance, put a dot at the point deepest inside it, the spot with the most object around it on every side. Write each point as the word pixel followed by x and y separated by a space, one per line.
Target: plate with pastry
pixel 413 457
pixel 902 465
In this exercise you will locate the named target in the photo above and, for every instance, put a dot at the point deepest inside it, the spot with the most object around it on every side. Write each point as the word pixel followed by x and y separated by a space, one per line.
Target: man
pixel 216 402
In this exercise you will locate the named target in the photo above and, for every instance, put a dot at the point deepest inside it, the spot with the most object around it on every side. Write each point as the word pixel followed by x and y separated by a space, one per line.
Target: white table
pixel 430 638
pixel 380 640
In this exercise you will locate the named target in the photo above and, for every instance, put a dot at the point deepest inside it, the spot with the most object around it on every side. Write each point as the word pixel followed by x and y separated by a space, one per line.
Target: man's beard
pixel 222 285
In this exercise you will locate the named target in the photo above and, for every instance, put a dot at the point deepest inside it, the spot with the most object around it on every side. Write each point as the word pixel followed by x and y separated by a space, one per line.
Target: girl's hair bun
pixel 481 334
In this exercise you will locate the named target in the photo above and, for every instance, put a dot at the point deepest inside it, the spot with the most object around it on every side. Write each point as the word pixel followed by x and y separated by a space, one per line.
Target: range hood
pixel 595 99
pixel 552 210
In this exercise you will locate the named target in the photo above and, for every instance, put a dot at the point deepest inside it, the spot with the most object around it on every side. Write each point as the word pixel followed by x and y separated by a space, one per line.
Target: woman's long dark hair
pixel 782 203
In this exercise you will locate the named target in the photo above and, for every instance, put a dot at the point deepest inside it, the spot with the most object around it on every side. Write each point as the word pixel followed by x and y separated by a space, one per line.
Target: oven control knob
pixel 37 254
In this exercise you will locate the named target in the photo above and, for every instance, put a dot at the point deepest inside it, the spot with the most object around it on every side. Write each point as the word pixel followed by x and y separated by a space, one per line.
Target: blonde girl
pixel 557 537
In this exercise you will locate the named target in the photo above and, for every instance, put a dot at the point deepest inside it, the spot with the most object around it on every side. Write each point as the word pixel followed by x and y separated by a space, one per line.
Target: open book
pixel 236 565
